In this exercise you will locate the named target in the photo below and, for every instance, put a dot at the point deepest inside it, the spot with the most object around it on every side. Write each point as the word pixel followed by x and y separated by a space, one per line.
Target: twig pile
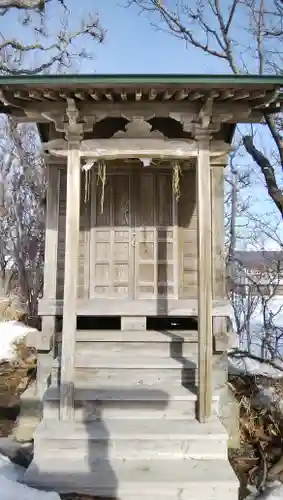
pixel 260 458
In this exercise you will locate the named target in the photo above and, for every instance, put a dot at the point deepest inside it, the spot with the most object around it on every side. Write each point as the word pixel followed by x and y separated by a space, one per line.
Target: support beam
pixel 218 231
pixel 204 279
pixel 51 250
pixel 73 134
pixel 70 285
pixel 218 258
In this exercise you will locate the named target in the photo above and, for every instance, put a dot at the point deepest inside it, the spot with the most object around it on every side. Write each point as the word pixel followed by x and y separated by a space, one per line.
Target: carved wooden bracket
pixel 138 127
pixel 75 126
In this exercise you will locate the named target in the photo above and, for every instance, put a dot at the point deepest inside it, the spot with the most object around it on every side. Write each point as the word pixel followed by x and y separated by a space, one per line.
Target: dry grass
pixel 9 310
pixel 14 376
pixel 259 458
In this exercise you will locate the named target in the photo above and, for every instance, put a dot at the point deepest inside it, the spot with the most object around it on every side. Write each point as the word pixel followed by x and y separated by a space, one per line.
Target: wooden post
pixel 204 280
pixel 70 285
pixel 218 259
pixel 218 231
pixel 51 250
pixel 74 132
pixel 45 343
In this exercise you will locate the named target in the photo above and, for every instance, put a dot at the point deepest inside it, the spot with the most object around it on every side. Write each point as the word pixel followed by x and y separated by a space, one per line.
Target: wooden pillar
pixel 218 251
pixel 70 283
pixel 204 280
pixel 45 342
pixel 51 252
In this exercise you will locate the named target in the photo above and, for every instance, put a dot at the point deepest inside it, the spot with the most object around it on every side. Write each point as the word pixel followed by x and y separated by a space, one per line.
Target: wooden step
pixel 141 374
pixel 187 439
pixel 147 336
pixel 91 377
pixel 128 403
pixel 134 336
pixel 87 359
pixel 134 349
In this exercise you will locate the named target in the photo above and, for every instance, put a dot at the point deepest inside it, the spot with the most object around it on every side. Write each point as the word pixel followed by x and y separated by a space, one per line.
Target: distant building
pixel 258 272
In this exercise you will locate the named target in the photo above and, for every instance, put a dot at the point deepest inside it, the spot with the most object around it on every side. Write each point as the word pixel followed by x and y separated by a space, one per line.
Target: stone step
pixel 165 336
pixel 135 479
pixel 171 349
pixel 155 402
pixel 143 439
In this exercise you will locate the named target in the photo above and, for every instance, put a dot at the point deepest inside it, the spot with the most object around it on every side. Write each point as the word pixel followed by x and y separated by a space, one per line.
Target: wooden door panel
pixel 155 247
pixel 188 236
pixel 111 248
pixel 134 242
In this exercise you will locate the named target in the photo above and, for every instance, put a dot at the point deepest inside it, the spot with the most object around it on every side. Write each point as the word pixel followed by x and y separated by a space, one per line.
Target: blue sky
pixel 133 46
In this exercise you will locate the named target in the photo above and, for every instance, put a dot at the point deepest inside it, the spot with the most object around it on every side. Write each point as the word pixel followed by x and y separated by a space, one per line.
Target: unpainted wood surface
pixel 142 307
pixel 133 250
pixel 144 244
pixel 204 281
pixel 111 252
pixel 155 249
pixel 187 222
pixel 219 325
pixel 218 232
pixel 51 252
pixel 70 285
pixel 83 263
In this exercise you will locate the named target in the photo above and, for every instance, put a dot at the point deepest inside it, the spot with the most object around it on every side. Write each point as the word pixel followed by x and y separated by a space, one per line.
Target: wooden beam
pixel 94 96
pixel 152 94
pixel 204 280
pixel 180 95
pixel 219 324
pixel 73 134
pixel 51 248
pixel 109 96
pixel 138 95
pixel 167 95
pixel 126 147
pixel 125 307
pixel 37 110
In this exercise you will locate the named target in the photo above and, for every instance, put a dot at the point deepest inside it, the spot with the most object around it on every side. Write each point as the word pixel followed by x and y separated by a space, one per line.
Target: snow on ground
pixel 11 332
pixel 272 492
pixel 239 365
pixel 11 488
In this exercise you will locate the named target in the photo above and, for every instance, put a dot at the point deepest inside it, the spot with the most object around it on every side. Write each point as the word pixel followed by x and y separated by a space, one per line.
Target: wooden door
pixel 111 247
pixel 156 236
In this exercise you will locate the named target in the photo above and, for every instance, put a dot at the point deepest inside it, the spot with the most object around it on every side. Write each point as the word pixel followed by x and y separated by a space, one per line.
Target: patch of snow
pixel 238 365
pixel 271 492
pixel 11 488
pixel 265 397
pixel 11 332
pixel 9 470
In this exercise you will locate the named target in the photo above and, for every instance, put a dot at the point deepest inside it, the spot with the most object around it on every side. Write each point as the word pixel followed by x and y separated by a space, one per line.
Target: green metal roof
pixel 141 79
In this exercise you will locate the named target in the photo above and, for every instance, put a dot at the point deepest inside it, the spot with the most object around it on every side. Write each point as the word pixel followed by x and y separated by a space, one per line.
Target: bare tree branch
pixel 276 135
pixel 22 4
pixel 217 29
pixel 66 46
pixel 274 191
